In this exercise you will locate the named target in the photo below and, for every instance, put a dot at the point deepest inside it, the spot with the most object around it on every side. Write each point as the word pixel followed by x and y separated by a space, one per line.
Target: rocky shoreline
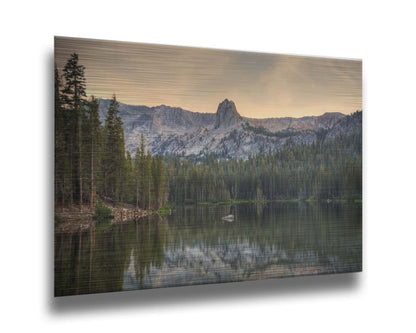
pixel 72 219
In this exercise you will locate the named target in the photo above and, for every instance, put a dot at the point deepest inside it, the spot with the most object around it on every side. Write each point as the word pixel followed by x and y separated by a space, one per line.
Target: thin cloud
pixel 261 85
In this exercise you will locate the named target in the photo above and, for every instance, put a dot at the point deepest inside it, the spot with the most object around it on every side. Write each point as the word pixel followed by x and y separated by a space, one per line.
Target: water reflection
pixel 194 246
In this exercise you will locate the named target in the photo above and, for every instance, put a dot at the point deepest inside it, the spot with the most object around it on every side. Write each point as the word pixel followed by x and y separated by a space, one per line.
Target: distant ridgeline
pixel 149 155
pixel 226 134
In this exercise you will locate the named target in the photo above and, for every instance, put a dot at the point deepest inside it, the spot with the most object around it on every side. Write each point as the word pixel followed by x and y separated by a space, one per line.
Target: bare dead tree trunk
pixel 63 190
pixel 80 160
pixel 71 161
pixel 92 171
pixel 149 192
pixel 137 195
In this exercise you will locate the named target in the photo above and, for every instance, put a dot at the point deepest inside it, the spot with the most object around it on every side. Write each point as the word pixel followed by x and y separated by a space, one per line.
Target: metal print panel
pixel 179 166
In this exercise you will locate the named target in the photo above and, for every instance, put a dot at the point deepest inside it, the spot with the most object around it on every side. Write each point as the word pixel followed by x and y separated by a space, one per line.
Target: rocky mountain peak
pixel 226 115
pixel 173 130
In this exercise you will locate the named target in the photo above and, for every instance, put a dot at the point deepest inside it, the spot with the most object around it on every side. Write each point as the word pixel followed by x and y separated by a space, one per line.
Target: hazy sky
pixel 261 85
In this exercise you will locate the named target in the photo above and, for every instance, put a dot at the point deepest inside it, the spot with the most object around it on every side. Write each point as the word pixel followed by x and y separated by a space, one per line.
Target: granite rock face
pixel 226 134
pixel 346 126
pixel 227 115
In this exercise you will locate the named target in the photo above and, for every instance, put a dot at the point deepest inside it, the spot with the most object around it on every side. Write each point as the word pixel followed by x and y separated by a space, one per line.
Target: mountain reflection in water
pixel 195 246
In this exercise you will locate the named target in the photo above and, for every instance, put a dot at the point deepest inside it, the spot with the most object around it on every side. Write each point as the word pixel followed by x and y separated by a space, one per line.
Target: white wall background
pixel 379 299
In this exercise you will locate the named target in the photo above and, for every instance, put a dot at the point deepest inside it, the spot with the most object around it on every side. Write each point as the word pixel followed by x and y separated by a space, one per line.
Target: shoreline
pixel 70 219
pixel 236 202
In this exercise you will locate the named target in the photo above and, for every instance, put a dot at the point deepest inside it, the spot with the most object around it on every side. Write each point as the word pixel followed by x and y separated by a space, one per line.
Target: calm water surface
pixel 195 246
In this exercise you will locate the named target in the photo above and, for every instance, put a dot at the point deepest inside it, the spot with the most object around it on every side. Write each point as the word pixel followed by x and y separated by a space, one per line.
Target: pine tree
pixel 121 159
pixel 129 179
pixel 137 174
pixel 114 153
pixel 74 98
pixel 60 146
pixel 142 168
pixel 148 169
pixel 158 175
pixel 94 140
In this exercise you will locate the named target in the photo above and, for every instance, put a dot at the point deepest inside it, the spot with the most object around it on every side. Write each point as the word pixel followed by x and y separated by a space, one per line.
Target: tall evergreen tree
pixel 143 170
pixel 114 152
pixel 148 169
pixel 158 175
pixel 94 143
pixel 137 173
pixel 121 160
pixel 129 181
pixel 74 98
pixel 60 143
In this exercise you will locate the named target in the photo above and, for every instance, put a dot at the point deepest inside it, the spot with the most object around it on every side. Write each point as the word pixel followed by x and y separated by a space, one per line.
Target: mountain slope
pixel 172 130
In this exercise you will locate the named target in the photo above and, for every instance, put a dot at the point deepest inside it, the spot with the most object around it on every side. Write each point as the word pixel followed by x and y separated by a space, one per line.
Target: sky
pixel 262 85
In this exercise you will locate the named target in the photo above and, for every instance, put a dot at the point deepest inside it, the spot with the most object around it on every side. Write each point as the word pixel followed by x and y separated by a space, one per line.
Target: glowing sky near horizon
pixel 261 85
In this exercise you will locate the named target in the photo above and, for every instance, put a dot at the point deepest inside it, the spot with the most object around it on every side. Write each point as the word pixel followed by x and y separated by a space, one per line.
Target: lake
pixel 194 245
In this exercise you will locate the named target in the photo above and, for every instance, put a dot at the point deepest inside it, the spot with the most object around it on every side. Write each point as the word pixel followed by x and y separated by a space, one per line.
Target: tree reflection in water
pixel 194 245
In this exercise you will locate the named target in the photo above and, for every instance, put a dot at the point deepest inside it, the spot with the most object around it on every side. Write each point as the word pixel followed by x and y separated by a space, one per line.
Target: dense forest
pixel 91 162
pixel 321 171
pixel 90 158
